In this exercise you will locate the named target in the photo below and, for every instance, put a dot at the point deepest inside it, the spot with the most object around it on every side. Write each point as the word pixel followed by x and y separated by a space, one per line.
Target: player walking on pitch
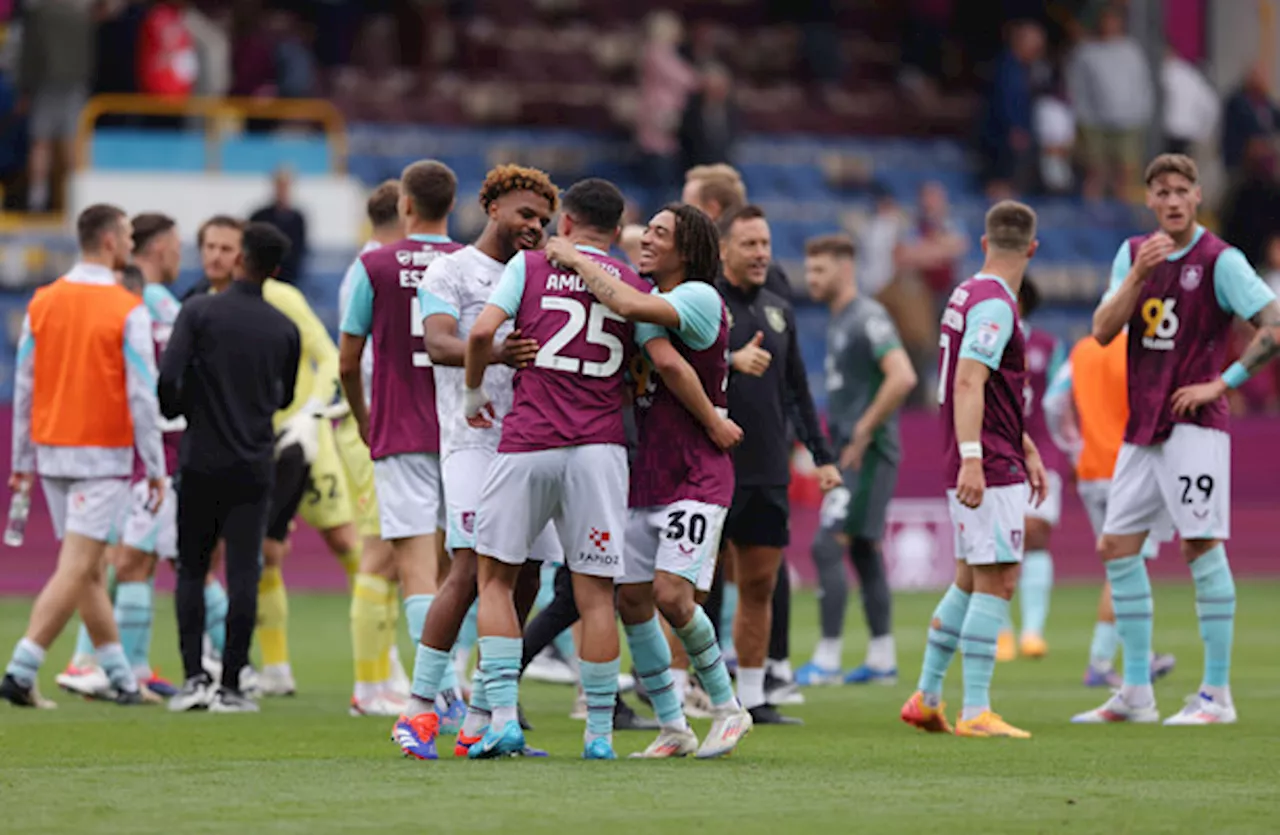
pixel 990 460
pixel 1177 290
pixel 682 476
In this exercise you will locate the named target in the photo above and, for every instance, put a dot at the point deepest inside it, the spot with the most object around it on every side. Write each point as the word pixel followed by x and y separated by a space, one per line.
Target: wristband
pixel 970 449
pixel 1235 376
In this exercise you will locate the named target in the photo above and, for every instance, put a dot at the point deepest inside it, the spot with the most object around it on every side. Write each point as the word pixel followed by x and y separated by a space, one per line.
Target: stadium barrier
pixel 918 543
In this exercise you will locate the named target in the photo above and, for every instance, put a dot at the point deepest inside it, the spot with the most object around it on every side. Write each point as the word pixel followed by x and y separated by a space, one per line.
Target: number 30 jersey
pixel 459 285
pixel 572 394
pixel 384 306
pixel 981 323
pixel 1180 328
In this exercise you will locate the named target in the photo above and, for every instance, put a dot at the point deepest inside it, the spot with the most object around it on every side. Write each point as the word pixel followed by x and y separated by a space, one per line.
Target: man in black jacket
pixel 768 390
pixel 230 365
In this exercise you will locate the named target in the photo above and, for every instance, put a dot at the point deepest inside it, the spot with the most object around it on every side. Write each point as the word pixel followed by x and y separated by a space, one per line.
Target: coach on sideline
pixel 767 381
pixel 230 365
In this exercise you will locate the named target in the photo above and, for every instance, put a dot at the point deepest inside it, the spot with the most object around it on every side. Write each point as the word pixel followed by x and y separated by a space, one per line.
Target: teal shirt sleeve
pixel 1119 269
pixel 1238 287
pixel 161 304
pixel 436 292
pixel 699 307
pixel 647 330
pixel 510 290
pixel 988 329
pixel 358 318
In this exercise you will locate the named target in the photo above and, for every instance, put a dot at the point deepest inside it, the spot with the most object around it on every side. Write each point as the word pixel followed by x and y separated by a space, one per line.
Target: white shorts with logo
pixel 88 507
pixel 583 489
pixel 1182 485
pixel 410 500
pixel 152 533
pixel 682 538
pixel 992 532
pixel 1051 510
pixel 1093 495
pixel 464 473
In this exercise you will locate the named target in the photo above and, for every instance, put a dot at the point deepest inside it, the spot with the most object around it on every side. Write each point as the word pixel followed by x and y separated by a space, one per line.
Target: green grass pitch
pixel 304 766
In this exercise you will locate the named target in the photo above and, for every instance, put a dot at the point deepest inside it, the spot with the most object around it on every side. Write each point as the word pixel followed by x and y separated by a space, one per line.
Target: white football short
pixel 89 507
pixel 464 472
pixel 409 495
pixel 1182 485
pixel 1093 495
pixel 152 533
pixel 583 489
pixel 1051 510
pixel 682 538
pixel 992 532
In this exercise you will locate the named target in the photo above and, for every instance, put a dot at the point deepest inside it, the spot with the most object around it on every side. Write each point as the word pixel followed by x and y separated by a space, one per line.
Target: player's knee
pixel 134 566
pixel 1194 549
pixel 342 539
pixel 635 603
pixel 755 585
pixel 1115 547
pixel 674 597
pixel 1037 535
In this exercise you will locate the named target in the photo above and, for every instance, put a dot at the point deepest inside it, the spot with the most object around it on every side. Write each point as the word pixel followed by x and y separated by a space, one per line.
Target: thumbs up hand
pixel 751 358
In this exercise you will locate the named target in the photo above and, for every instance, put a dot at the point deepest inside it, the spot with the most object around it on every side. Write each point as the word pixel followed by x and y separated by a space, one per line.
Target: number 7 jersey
pixel 572 394
pixel 384 306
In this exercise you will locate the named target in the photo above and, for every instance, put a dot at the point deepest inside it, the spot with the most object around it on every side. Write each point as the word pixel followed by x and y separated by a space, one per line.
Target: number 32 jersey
pixel 1180 328
pixel 981 323
pixel 572 394
pixel 384 305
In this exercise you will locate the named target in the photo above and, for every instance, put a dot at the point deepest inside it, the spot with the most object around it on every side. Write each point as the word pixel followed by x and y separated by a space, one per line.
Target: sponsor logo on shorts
pixel 598 559
pixel 685 550
pixel 78 502
pixel 469 521
pixel 600 539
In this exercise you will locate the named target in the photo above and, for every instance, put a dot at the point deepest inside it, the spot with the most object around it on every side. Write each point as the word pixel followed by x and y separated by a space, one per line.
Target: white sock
pixel 971 713
pixel 828 652
pixel 680 678
pixel 1138 695
pixel 1219 695
pixel 503 715
pixel 780 669
pixel 476 721
pixel 142 673
pixel 751 686
pixel 882 655
pixel 679 726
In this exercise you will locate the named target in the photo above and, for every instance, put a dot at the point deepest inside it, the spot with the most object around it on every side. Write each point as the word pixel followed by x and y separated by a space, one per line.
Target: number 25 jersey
pixel 572 393
pixel 1180 328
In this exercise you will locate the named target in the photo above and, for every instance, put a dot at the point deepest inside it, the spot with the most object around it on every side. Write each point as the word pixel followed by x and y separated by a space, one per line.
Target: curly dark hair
pixel 505 179
pixel 697 241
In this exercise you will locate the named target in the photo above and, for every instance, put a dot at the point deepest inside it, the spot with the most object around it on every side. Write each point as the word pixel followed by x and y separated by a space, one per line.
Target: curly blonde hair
pixel 505 179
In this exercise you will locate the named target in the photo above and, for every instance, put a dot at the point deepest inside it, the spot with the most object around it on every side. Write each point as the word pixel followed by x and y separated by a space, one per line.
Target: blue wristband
pixel 1235 376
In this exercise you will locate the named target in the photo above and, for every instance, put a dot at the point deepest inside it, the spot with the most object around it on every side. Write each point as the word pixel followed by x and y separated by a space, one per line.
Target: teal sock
pixel 133 619
pixel 1131 597
pixel 652 657
pixel 944 636
pixel 468 635
pixel 546 587
pixel 1102 651
pixel 500 661
pixel 728 609
pixel 215 616
pixel 978 637
pixel 479 698
pixel 449 680
pixel 1034 590
pixel 429 665
pixel 1216 608
pixel 84 644
pixel 600 685
pixel 116 666
pixel 26 661
pixel 415 614
pixel 699 639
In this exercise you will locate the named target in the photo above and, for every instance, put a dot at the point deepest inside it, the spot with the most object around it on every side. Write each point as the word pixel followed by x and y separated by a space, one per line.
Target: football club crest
pixel 404 257
pixel 728 315
pixel 1191 276
pixel 776 318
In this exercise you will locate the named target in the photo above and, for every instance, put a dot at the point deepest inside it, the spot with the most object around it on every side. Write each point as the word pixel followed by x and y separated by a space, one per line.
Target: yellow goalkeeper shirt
pixel 318 369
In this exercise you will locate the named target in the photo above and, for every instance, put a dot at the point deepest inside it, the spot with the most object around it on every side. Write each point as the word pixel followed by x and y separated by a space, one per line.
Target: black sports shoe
pixel 779 691
pixel 524 723
pixel 196 694
pixel 626 719
pixel 769 715
pixel 133 698
pixel 15 694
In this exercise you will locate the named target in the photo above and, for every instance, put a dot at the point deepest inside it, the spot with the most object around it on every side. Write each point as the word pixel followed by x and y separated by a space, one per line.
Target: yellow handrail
pixel 215 111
